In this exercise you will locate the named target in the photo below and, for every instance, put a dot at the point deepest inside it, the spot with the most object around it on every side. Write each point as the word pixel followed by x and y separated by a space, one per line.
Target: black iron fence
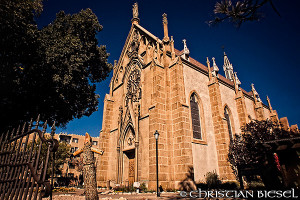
pixel 26 155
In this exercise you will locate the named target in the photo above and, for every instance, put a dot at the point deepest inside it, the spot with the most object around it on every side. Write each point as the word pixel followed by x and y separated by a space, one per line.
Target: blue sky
pixel 265 53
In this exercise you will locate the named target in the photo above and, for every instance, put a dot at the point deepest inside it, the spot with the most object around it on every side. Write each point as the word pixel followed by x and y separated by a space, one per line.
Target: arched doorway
pixel 128 157
pixel 129 166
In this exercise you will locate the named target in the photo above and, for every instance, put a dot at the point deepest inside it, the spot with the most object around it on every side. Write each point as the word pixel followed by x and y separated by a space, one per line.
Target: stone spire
pixel 172 48
pixel 215 68
pixel 209 70
pixel 135 14
pixel 255 93
pixel 238 82
pixel 165 23
pixel 186 51
pixel 269 104
pixel 228 69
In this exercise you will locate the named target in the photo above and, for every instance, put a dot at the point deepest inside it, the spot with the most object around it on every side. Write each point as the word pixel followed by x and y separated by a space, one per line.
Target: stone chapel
pixel 195 110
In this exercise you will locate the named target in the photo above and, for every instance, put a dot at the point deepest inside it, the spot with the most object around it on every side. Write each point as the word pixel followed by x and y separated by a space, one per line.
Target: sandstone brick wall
pixel 250 107
pixel 166 86
pixel 204 154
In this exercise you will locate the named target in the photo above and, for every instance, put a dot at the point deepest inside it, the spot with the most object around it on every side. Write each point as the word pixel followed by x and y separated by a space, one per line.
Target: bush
pixel 230 185
pixel 125 189
pixel 170 190
pixel 255 185
pixel 202 186
pixel 63 189
pixel 143 187
pixel 212 180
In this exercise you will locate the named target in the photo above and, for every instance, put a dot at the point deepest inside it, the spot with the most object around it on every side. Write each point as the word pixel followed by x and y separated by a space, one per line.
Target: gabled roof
pixel 205 68
pixel 179 53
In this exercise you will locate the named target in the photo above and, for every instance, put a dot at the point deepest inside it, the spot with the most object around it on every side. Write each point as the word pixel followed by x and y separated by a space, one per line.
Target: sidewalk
pixel 78 194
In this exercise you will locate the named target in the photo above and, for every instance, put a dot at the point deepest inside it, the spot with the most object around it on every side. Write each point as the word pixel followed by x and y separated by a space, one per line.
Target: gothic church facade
pixel 195 110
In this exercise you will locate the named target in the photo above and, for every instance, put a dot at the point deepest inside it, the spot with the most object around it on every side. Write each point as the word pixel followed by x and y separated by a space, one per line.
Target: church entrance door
pixel 131 166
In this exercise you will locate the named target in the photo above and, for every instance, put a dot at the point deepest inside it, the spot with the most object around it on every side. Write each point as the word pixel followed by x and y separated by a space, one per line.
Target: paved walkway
pixel 118 197
pixel 78 194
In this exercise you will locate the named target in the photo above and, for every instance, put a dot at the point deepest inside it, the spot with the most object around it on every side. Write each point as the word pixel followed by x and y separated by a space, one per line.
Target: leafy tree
pixel 61 155
pixel 50 71
pixel 248 148
pixel 240 12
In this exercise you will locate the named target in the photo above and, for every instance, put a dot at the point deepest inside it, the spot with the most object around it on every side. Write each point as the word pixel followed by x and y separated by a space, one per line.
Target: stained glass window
pixel 195 117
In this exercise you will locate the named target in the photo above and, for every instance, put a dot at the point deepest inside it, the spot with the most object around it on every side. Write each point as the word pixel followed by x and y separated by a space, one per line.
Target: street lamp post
pixel 156 134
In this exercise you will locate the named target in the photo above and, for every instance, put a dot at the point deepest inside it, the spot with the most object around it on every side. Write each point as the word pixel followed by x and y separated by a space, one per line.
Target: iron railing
pixel 24 162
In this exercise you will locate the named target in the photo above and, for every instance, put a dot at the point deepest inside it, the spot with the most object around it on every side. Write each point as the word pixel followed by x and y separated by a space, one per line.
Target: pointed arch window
pixel 229 125
pixel 196 125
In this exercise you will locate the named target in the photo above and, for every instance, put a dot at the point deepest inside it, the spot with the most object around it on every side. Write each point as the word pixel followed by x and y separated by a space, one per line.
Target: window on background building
pixel 72 150
pixel 195 117
pixel 65 138
pixel 75 140
pixel 95 142
pixel 227 118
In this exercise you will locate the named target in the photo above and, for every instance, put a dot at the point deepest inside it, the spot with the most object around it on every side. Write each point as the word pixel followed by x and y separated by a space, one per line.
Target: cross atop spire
pixel 135 14
pixel 228 69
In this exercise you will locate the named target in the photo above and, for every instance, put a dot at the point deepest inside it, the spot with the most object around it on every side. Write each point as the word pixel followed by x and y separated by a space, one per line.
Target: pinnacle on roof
pixel 238 82
pixel 227 62
pixel 186 51
pixel 208 67
pixel 255 93
pixel 165 24
pixel 215 67
pixel 228 69
pixel 135 14
pixel 269 103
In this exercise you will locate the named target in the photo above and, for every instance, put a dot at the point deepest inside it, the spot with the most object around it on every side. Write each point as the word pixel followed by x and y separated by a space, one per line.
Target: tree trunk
pixel 89 173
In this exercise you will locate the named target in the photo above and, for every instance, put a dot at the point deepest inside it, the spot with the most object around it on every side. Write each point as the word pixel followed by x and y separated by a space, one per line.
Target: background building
pixel 194 108
pixel 70 168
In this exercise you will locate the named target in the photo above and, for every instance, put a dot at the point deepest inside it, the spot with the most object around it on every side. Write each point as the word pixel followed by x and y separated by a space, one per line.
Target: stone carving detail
pixel 134 46
pixel 133 86
pixel 129 140
pixel 120 115
pixel 137 110
pixel 135 10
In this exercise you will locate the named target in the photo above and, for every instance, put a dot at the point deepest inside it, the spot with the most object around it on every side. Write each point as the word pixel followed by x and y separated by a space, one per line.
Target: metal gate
pixel 24 161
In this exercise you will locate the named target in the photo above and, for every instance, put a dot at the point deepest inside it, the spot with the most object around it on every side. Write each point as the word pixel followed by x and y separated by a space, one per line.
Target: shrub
pixel 63 189
pixel 143 187
pixel 230 185
pixel 170 190
pixel 202 186
pixel 255 185
pixel 212 180
pixel 125 189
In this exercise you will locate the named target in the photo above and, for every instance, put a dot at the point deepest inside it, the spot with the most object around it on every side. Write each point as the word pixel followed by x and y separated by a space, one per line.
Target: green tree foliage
pixel 50 71
pixel 239 12
pixel 248 149
pixel 61 155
